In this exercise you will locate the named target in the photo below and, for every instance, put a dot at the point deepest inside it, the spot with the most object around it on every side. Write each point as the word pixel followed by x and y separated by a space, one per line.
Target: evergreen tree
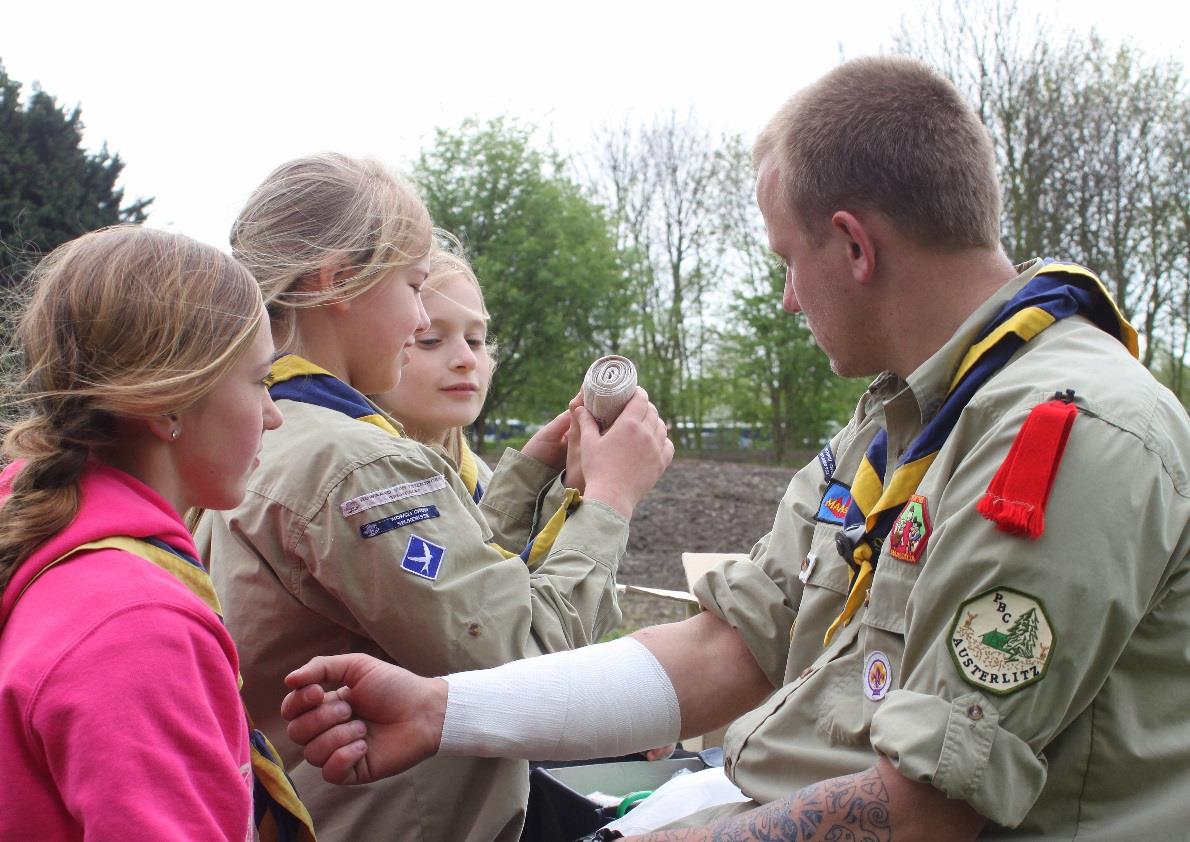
pixel 51 190
pixel 1022 636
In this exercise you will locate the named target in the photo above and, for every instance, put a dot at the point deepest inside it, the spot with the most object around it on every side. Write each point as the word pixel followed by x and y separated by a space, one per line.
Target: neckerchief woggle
pixel 1057 291
pixel 278 812
pixel 296 379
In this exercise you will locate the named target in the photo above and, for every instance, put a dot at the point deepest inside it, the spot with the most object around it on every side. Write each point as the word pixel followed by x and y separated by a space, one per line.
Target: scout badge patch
pixel 910 531
pixel 422 558
pixel 877 676
pixel 834 504
pixel 1002 640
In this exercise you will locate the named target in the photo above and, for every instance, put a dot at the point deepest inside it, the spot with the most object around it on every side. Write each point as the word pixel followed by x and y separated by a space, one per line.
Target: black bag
pixel 560 812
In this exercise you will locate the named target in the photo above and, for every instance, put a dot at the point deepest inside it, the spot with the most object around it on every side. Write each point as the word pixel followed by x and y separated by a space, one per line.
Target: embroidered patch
pixel 388 495
pixel 379 527
pixel 423 558
pixel 826 458
pixel 877 676
pixel 910 531
pixel 834 504
pixel 807 567
pixel 1002 640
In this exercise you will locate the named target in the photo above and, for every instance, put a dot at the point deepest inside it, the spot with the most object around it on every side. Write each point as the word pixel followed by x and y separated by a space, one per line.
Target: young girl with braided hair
pixel 145 356
pixel 353 537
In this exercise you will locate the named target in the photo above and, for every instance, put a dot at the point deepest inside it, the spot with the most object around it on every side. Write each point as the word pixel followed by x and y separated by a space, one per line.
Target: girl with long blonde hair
pixel 353 537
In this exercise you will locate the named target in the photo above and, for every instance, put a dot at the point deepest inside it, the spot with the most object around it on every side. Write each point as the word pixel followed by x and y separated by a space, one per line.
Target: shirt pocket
pixel 882 633
pixel 825 581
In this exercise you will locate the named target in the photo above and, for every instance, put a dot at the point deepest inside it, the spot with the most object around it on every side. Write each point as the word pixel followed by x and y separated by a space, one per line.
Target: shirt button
pixel 473 629
pixel 975 713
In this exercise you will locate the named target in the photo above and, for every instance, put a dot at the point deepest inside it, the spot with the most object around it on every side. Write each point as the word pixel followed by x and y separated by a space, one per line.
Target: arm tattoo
pixel 848 809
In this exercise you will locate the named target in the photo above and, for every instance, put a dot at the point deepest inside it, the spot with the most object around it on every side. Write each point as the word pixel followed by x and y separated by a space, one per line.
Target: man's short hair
pixel 892 135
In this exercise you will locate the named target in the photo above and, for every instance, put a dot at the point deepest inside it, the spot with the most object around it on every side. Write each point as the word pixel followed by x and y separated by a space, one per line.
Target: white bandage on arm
pixel 598 701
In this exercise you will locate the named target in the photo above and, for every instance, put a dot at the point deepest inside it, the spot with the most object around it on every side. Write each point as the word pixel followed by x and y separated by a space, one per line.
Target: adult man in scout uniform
pixel 971 615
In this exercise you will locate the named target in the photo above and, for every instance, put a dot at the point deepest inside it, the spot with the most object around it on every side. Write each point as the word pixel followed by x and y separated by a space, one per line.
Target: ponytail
pixel 45 493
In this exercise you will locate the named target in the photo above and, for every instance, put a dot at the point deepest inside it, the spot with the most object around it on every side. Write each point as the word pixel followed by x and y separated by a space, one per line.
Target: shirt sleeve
pixel 760 597
pixel 1007 640
pixel 144 731
pixel 513 497
pixel 400 554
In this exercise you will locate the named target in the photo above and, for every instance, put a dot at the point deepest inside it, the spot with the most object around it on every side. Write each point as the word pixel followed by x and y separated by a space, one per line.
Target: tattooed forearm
pixel 849 809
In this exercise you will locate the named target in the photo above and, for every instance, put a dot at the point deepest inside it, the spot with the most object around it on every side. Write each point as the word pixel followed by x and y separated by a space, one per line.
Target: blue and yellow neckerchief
pixel 278 812
pixel 469 471
pixel 296 379
pixel 1057 291
pixel 293 378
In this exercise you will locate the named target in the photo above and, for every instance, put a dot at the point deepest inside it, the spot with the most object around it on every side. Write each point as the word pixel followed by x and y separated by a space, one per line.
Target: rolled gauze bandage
pixel 609 385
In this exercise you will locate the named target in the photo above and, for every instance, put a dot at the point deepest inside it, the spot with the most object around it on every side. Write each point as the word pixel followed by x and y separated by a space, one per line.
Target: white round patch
pixel 877 676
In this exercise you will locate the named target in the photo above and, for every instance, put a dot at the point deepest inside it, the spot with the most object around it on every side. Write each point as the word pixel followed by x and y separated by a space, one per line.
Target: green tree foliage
pixel 51 190
pixel 543 251
pixel 1091 144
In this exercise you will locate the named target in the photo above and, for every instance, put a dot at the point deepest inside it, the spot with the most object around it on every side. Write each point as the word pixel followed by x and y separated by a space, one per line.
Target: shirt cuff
pixel 959 748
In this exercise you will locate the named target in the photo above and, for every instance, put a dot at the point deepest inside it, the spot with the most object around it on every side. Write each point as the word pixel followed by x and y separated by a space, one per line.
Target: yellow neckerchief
pixel 297 379
pixel 469 471
pixel 279 814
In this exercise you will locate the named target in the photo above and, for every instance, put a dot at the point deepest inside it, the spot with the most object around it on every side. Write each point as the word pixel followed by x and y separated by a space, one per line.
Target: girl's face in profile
pixel 219 437
pixel 446 378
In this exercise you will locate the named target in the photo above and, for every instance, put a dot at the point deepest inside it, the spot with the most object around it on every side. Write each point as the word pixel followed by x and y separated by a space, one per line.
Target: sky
pixel 202 100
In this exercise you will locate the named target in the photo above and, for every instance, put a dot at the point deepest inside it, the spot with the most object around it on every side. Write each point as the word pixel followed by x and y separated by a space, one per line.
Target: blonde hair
pixel 892 135
pixel 447 262
pixel 327 210
pixel 122 322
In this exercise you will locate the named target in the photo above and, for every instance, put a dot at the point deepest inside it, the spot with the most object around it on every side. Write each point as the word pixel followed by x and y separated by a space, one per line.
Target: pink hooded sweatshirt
pixel 119 712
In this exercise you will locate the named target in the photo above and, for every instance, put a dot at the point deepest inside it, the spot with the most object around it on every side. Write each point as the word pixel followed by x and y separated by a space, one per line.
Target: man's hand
pixel 377 721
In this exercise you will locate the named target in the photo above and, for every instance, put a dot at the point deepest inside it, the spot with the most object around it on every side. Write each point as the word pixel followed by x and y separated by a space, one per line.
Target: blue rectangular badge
pixel 422 558
pixel 835 503
pixel 379 527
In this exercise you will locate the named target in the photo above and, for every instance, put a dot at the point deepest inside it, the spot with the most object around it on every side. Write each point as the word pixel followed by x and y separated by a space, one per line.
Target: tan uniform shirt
pixel 1045 682
pixel 353 540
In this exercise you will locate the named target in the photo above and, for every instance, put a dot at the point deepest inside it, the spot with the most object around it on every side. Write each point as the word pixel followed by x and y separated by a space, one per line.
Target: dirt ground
pixel 698 506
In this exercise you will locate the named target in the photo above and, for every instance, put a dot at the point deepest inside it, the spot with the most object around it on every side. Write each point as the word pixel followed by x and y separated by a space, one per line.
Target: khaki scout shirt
pixel 298 576
pixel 1087 735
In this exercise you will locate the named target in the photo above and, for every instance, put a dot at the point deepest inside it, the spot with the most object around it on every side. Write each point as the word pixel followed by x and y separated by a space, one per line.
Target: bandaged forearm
pixel 599 701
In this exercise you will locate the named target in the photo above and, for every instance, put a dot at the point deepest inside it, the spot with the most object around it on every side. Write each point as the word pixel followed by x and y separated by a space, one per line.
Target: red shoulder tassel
pixel 1016 497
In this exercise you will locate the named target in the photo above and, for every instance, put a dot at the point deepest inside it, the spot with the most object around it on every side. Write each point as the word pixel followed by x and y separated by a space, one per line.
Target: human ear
pixel 167 428
pixel 860 246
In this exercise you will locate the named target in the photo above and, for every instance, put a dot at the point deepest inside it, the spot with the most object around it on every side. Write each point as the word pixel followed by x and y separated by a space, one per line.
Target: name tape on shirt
pixel 379 527
pixel 1002 640
pixel 826 458
pixel 423 558
pixel 388 495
